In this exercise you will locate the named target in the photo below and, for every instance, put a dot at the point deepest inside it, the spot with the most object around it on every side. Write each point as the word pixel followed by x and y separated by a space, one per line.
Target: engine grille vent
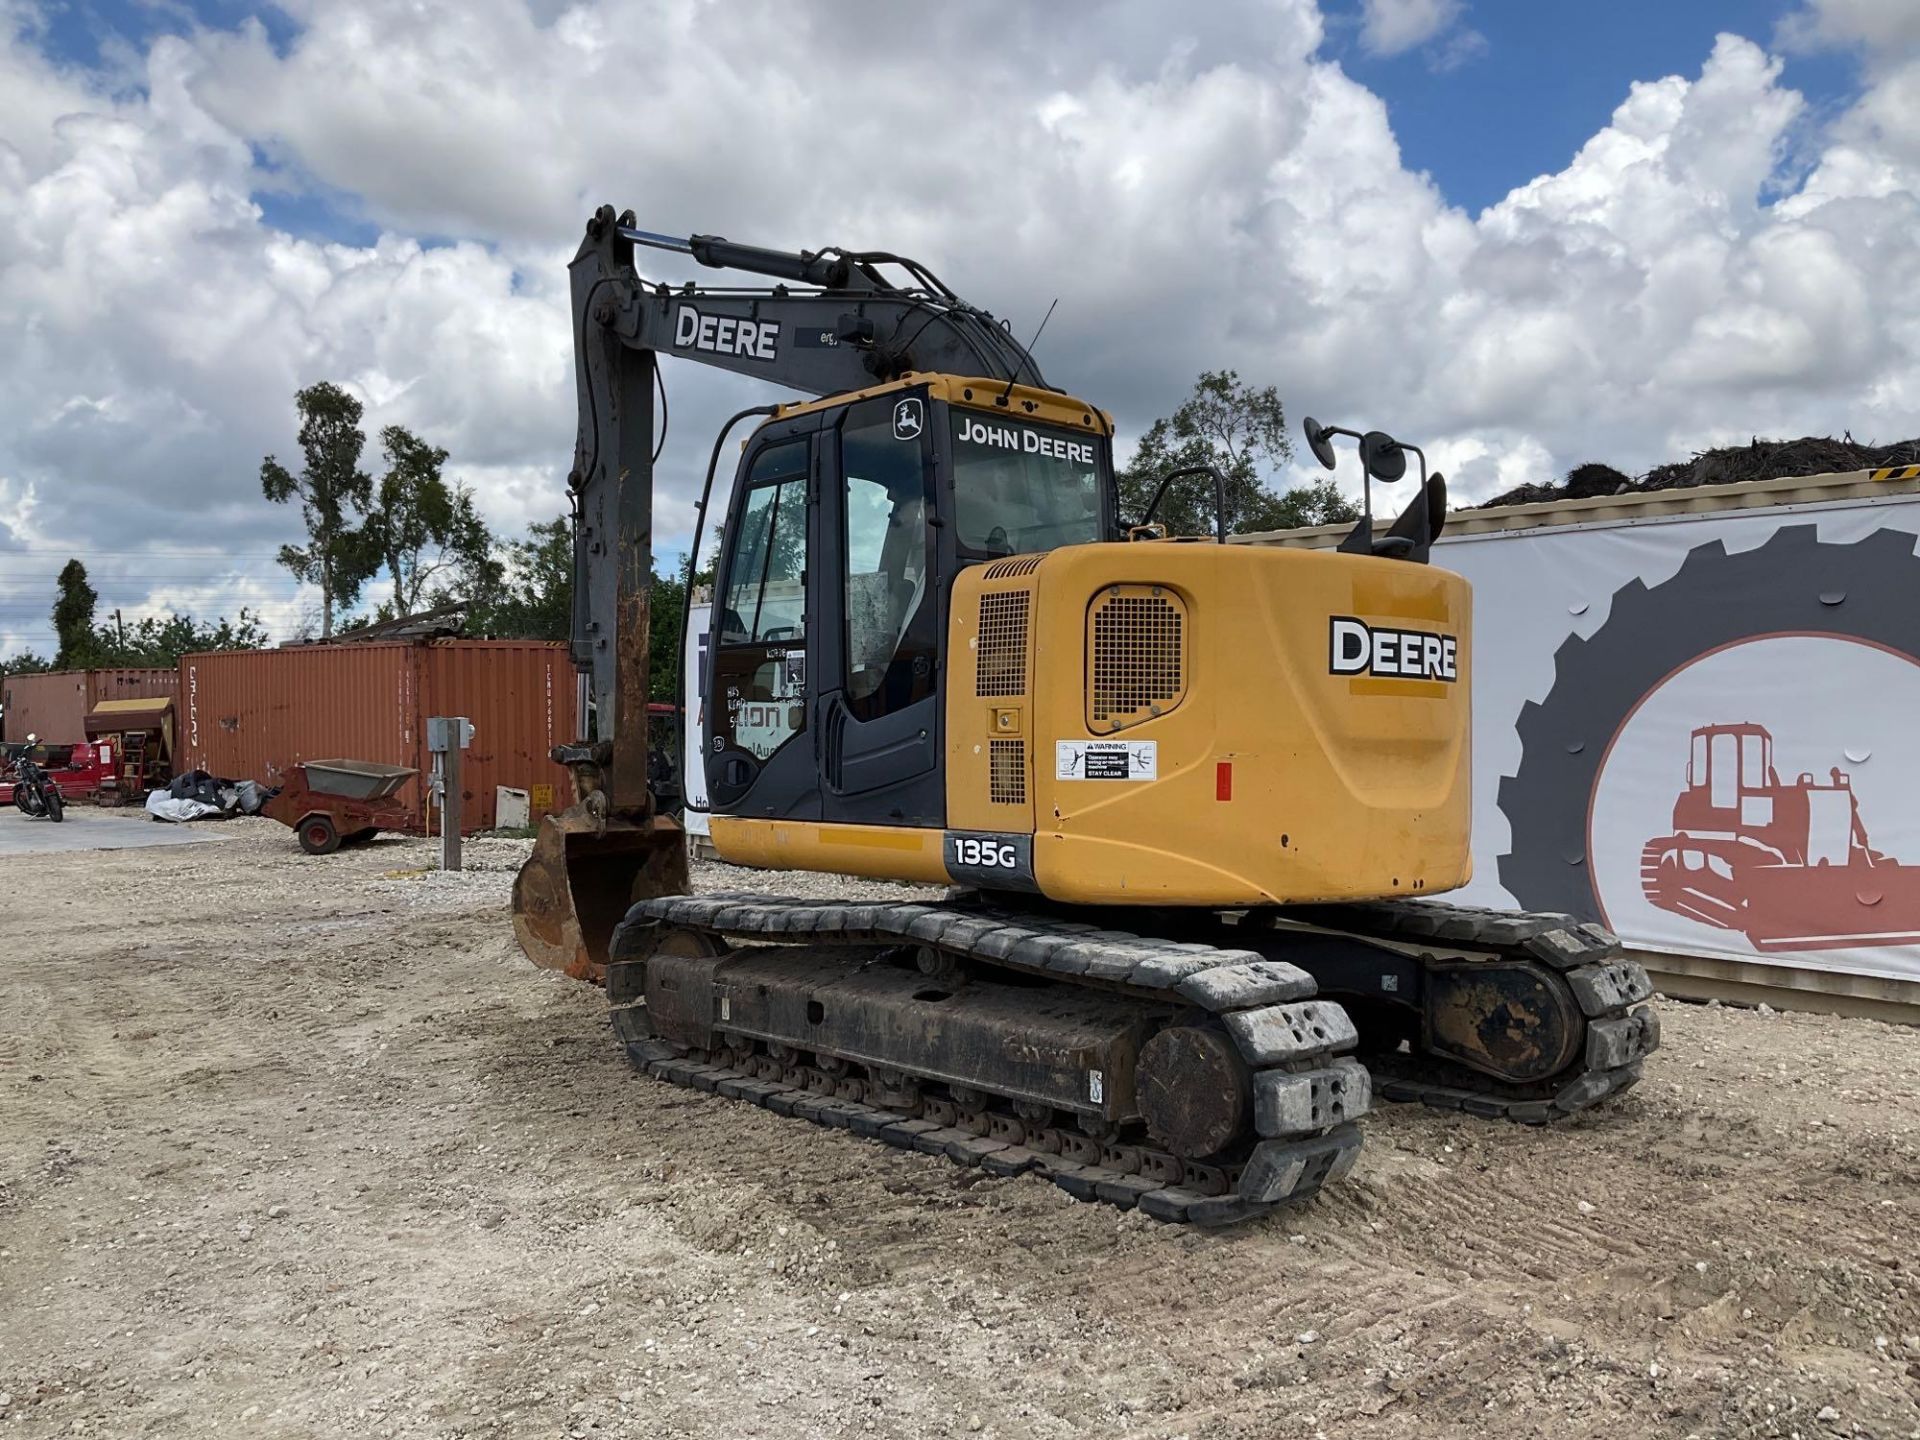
pixel 1007 772
pixel 1014 566
pixel 1002 665
pixel 1137 656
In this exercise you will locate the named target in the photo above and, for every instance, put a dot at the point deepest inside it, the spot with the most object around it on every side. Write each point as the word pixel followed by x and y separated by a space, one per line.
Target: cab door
pixel 880 601
pixel 759 741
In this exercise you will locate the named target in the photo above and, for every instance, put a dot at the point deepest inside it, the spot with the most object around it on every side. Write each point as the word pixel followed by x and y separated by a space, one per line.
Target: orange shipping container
pixel 254 714
pixel 54 705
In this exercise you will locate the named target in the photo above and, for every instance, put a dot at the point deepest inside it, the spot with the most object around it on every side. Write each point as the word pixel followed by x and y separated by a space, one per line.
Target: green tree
pixel 532 598
pixel 422 529
pixel 73 618
pixel 330 487
pixel 161 642
pixel 665 606
pixel 1319 502
pixel 25 663
pixel 535 602
pixel 1242 430
pixel 478 572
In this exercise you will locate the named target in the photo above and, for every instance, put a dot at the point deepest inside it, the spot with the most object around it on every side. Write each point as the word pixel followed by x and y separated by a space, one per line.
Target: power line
pixel 237 562
pixel 14 581
pixel 157 554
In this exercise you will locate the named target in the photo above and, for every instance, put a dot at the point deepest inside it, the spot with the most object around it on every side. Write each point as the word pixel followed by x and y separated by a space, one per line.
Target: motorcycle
pixel 34 791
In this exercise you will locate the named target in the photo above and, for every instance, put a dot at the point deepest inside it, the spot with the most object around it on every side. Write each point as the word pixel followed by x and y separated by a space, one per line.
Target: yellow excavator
pixel 1190 798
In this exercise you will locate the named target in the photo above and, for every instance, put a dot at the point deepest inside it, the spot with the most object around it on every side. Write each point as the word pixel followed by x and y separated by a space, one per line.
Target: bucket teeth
pixel 561 912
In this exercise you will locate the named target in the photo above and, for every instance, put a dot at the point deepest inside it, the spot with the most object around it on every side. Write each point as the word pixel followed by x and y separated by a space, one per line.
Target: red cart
pixel 328 803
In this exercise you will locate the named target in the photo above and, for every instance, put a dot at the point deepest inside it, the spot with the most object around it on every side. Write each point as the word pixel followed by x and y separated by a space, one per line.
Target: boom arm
pixel 849 327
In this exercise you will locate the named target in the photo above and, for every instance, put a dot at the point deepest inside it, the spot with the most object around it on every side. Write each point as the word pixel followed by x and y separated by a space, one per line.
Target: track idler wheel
pixel 626 976
pixel 1194 1091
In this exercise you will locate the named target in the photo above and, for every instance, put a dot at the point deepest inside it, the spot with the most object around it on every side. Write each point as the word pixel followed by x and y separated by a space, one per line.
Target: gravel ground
pixel 296 1147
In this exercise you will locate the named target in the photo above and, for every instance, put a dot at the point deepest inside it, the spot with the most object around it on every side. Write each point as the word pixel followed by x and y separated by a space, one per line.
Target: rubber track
pixel 1288 1039
pixel 1587 956
pixel 1332 1154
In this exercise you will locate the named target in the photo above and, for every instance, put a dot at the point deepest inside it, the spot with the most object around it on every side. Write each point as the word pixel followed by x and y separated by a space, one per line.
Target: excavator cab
pixel 849 517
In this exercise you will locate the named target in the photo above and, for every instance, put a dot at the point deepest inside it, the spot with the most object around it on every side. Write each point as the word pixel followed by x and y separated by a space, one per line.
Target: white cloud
pixel 1459 47
pixel 1884 27
pixel 1392 27
pixel 1197 192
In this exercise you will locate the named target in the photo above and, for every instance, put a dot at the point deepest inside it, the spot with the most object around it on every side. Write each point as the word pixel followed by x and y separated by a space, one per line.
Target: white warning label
pixel 1106 759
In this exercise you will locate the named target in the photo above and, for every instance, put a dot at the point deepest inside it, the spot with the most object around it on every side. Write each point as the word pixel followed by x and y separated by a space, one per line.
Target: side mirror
pixel 1383 456
pixel 1320 442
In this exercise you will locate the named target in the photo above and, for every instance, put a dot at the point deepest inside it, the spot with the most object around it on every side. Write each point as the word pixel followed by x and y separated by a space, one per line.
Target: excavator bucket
pixel 581 880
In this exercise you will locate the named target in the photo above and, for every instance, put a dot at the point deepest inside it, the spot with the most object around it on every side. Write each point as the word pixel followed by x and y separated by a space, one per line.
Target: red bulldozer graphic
pixel 1788 866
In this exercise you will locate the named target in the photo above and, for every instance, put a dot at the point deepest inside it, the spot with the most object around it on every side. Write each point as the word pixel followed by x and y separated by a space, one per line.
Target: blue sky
pixel 84 32
pixel 1549 75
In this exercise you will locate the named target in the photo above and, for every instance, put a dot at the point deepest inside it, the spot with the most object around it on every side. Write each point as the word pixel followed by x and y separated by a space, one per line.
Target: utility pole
pixel 450 811
pixel 447 737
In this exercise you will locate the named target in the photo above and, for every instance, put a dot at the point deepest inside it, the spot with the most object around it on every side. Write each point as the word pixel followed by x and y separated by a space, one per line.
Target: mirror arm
pixel 1422 455
pixel 1219 495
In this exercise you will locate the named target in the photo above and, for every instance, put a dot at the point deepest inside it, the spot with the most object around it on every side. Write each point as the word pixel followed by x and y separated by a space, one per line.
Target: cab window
pixel 760 638
pixel 1019 486
pixel 891 605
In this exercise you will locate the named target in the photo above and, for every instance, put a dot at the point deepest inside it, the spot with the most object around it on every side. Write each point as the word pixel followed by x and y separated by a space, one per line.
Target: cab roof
pixel 973 392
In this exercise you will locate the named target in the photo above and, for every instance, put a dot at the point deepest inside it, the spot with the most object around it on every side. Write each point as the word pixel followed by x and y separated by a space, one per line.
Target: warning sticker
pixel 1106 759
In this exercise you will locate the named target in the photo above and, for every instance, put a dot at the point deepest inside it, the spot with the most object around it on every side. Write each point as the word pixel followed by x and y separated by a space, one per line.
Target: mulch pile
pixel 1760 460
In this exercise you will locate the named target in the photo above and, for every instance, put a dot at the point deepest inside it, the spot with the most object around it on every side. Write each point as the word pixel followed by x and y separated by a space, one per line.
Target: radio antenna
pixel 1027 354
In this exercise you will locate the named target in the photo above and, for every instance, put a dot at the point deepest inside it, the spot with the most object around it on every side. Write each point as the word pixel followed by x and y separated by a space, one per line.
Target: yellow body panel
pixel 883 852
pixel 1338 787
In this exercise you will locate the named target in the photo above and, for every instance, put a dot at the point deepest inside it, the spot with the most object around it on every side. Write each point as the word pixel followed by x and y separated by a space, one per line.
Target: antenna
pixel 1027 354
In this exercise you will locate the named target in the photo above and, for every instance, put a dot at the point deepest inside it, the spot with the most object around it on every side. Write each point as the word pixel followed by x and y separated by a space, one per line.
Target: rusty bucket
pixel 582 878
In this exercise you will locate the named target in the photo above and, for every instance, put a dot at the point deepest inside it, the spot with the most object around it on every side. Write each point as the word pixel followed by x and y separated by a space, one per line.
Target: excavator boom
pixel 833 322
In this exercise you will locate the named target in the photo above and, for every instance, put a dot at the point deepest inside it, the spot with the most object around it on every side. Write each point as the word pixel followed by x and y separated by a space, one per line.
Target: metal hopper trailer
pixel 328 803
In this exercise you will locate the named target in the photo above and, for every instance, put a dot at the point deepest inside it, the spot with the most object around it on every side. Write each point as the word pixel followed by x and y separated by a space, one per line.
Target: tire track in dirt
pixel 489 1227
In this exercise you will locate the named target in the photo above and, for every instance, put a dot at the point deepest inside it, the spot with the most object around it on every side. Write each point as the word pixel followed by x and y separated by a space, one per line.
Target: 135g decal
pixel 997 862
pixel 985 851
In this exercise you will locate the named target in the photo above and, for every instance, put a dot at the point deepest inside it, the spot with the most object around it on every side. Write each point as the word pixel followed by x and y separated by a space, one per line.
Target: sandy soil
pixel 293 1147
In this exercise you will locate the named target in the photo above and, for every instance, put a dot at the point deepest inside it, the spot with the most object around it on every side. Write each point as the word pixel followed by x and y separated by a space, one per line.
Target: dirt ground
pixel 296 1147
